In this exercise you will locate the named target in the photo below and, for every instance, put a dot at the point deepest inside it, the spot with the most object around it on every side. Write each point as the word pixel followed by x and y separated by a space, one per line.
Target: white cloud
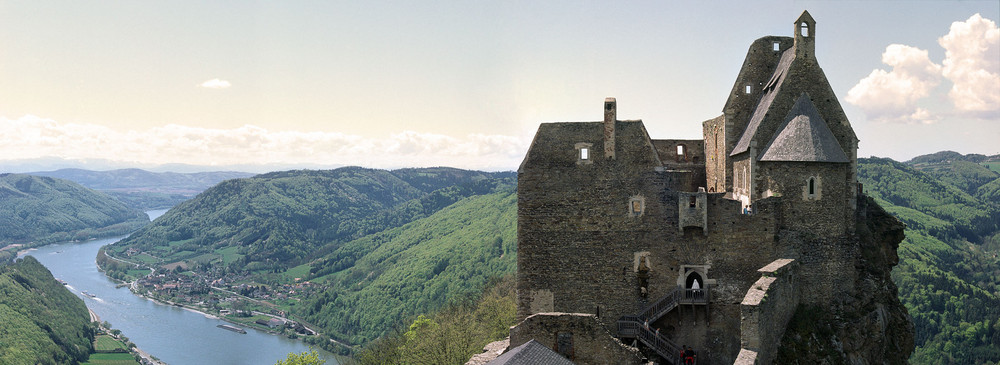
pixel 215 84
pixel 893 95
pixel 32 137
pixel 972 63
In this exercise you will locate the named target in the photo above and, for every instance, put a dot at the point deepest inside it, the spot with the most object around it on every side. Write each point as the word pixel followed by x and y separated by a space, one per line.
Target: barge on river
pixel 232 328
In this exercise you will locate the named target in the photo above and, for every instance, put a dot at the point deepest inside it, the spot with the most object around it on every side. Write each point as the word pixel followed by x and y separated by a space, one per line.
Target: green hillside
pixel 279 220
pixel 45 210
pixel 41 322
pixel 145 190
pixel 949 274
pixel 382 279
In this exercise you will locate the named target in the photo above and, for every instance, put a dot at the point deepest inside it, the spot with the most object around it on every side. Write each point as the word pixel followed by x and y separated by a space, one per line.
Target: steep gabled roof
pixel 771 89
pixel 530 353
pixel 804 137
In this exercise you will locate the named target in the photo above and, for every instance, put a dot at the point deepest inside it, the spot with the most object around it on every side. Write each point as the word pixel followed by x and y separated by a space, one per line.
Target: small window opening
pixel 564 344
pixel 584 153
pixel 805 29
pixel 777 46
pixel 681 153
pixel 636 207
pixel 812 186
pixel 747 90
pixel 693 201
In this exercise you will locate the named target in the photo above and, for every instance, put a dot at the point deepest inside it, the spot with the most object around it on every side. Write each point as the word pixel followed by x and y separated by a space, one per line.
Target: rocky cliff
pixel 869 326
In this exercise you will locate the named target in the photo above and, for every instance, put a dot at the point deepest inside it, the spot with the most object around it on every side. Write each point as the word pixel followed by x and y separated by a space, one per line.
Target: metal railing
pixel 631 327
pixel 662 306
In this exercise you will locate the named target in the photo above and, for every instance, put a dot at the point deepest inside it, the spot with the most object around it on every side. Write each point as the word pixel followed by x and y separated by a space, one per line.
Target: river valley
pixel 174 335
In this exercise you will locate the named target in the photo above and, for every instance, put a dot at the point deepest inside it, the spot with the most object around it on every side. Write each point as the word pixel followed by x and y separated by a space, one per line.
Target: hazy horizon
pixel 397 84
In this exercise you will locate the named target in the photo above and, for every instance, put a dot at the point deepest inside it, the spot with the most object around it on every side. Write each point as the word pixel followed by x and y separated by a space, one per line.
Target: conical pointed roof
pixel 804 137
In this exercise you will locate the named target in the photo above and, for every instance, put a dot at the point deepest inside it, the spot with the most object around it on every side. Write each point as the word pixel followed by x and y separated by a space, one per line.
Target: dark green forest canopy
pixel 41 322
pixel 45 210
pixel 949 274
pixel 282 219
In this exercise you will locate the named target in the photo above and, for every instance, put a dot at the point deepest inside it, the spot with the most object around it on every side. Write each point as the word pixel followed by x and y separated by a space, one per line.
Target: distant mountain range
pixel 58 163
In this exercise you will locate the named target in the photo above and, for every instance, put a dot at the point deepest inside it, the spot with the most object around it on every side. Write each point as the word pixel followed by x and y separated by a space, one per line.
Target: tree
pixel 305 358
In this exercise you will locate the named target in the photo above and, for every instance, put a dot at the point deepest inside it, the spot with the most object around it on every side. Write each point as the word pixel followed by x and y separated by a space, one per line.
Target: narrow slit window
pixel 747 90
pixel 584 153
pixel 812 186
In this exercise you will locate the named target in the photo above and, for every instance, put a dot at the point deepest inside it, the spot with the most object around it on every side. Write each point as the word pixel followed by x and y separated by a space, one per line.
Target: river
pixel 175 335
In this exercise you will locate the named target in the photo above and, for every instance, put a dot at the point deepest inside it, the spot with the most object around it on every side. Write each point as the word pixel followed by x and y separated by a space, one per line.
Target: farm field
pixel 111 359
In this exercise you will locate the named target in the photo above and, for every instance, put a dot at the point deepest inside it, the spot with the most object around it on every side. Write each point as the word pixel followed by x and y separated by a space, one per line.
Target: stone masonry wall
pixel 766 309
pixel 583 333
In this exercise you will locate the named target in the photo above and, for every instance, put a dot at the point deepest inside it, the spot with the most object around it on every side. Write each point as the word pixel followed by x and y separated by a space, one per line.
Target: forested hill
pixel 282 219
pixel 44 210
pixel 949 271
pixel 143 189
pixel 41 322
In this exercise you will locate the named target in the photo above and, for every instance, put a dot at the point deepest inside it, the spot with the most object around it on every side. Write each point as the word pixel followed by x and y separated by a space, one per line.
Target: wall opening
pixel 584 153
pixel 681 153
pixel 804 29
pixel 636 206
pixel 777 46
pixel 747 89
pixel 693 201
pixel 564 344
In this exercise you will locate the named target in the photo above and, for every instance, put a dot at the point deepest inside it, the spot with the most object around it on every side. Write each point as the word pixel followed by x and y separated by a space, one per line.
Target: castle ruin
pixel 629 247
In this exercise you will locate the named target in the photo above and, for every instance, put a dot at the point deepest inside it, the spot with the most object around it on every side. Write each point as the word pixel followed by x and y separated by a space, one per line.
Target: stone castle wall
pixel 766 309
pixel 580 337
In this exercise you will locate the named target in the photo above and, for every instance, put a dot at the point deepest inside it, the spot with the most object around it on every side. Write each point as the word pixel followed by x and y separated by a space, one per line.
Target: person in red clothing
pixel 689 356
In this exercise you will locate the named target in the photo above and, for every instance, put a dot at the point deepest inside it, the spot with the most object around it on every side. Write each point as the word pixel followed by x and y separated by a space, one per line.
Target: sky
pixel 389 84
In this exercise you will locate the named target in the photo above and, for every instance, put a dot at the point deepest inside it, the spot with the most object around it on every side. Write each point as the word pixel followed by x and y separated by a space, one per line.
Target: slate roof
pixel 804 137
pixel 530 353
pixel 771 89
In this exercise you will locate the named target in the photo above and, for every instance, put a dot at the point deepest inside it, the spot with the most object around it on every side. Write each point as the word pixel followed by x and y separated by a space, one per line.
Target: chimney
pixel 609 128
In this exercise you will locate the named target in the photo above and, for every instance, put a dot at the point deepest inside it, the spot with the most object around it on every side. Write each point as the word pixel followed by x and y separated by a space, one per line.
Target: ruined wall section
pixel 767 307
pixel 580 337
pixel 716 156
pixel 691 162
pixel 580 225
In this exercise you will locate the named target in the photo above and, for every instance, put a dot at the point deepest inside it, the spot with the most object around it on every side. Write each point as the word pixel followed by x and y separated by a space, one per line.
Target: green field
pixel 111 359
pixel 300 271
pixel 229 254
pixel 104 343
pixel 144 258
pixel 995 166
